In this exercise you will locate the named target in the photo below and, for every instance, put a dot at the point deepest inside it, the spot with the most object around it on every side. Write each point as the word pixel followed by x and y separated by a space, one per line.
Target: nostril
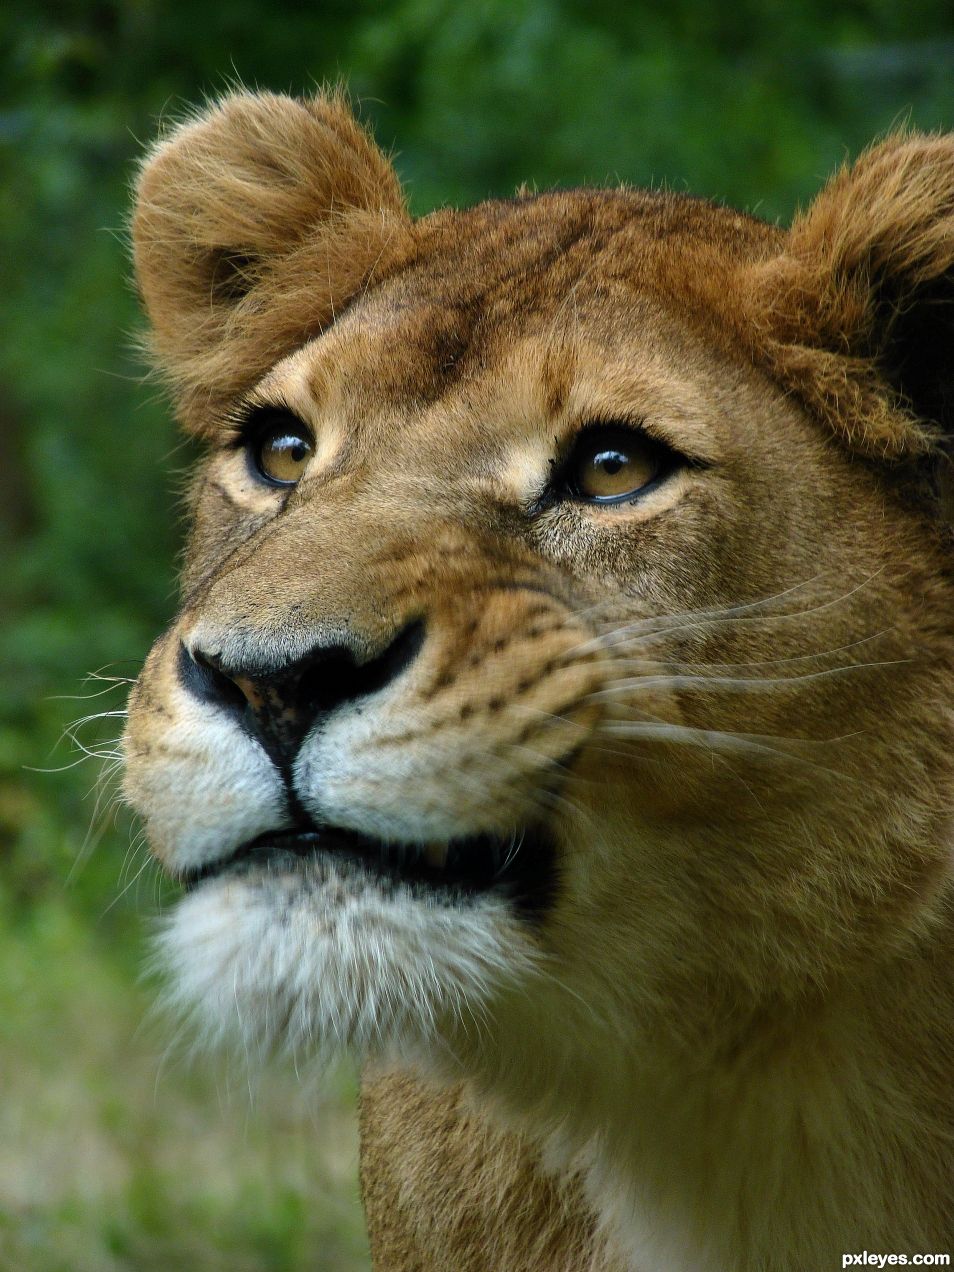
pixel 330 677
pixel 204 681
pixel 279 705
pixel 398 656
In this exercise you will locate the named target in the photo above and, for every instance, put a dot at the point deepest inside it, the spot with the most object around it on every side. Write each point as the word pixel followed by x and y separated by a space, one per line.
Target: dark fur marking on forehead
pixel 461 327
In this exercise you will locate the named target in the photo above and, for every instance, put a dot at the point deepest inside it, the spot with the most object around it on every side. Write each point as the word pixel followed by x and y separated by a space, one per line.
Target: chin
pixel 332 951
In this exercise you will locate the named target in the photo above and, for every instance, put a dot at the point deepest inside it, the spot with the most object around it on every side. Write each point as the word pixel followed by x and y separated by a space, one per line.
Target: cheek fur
pixel 201 785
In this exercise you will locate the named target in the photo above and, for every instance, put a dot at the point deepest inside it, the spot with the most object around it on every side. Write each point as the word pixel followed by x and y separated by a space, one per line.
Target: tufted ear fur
pixel 856 315
pixel 254 223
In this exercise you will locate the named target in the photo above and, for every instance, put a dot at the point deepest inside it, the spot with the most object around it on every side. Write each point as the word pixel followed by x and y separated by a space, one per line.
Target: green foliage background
pixel 104 1164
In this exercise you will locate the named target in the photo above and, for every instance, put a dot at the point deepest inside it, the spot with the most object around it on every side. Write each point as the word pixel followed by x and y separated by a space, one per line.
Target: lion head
pixel 560 691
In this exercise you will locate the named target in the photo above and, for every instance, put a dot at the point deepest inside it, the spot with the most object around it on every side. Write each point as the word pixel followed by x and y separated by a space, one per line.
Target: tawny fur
pixel 865 252
pixel 265 205
pixel 475 1199
pixel 725 1042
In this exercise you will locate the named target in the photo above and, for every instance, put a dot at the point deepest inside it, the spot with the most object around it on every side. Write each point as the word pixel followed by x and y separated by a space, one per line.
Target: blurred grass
pixel 111 1158
pixel 115 1157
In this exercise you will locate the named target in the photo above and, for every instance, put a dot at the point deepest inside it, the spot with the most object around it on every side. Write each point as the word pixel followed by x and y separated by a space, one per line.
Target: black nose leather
pixel 281 705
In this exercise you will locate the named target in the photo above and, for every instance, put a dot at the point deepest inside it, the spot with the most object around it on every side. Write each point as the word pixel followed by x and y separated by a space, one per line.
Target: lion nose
pixel 280 705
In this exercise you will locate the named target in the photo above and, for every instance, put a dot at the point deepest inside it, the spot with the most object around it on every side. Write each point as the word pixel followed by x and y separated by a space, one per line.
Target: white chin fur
pixel 320 958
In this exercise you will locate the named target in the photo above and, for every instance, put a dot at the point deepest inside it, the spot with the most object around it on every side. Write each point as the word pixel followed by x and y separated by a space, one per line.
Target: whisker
pixel 735 682
pixel 647 629
pixel 107 792
pixel 148 861
pixel 743 743
pixel 113 683
pixel 711 613
pixel 109 681
pixel 626 661
pixel 64 768
pixel 516 843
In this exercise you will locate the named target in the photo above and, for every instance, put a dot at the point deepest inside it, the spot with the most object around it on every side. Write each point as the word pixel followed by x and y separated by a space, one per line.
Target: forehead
pixel 534 308
pixel 503 270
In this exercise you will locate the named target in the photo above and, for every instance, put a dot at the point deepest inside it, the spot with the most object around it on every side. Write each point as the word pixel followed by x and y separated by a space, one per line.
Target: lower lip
pixel 474 866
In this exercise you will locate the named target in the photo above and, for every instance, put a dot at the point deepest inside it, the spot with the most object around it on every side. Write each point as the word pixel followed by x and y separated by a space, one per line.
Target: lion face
pixel 541 648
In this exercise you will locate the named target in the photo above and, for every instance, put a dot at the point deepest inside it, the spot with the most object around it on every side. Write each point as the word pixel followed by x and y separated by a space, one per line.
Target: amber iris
pixel 282 453
pixel 610 464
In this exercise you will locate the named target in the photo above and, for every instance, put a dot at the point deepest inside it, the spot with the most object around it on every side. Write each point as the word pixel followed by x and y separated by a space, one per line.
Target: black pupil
pixel 292 446
pixel 610 462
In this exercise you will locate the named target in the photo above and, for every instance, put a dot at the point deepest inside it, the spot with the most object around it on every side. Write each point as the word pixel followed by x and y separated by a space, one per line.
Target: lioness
pixel 559 712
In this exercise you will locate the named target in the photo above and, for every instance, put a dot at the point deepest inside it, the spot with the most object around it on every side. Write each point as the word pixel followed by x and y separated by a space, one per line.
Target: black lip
pixel 522 866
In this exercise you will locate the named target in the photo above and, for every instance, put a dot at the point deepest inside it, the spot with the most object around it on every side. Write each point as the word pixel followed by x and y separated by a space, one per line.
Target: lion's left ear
pixel 856 315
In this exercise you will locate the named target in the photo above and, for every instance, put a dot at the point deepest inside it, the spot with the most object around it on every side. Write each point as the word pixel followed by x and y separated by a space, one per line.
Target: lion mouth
pixel 520 865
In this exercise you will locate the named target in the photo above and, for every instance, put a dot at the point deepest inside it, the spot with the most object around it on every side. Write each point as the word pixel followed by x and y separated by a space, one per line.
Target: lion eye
pixel 281 451
pixel 612 463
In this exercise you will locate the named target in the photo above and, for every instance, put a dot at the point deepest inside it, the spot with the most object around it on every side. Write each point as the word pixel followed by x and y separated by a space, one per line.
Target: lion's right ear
pixel 254 223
